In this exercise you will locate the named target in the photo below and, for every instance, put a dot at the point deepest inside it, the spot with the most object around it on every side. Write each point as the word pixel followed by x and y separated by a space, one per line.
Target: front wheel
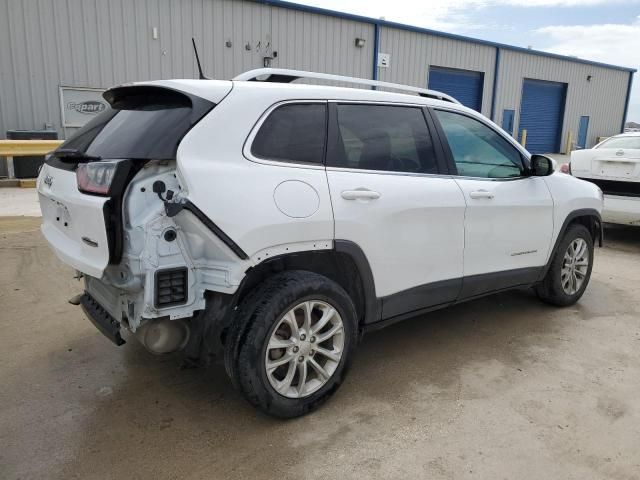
pixel 292 343
pixel 570 268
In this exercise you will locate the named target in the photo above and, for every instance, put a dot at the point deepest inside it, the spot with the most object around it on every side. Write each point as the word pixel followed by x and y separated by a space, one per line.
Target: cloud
pixel 609 43
pixel 451 15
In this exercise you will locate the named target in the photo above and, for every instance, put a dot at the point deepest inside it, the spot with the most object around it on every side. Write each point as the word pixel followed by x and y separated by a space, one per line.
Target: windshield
pixel 621 142
pixel 142 123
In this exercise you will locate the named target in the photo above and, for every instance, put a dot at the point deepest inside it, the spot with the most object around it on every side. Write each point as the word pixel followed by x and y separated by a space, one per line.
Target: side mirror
pixel 542 166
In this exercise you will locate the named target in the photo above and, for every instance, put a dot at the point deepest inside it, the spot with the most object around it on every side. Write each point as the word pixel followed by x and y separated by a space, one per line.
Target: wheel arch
pixel 346 264
pixel 589 218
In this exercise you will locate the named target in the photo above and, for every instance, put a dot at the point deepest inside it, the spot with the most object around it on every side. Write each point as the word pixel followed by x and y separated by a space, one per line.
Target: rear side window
pixel 143 123
pixel 622 142
pixel 293 133
pixel 477 150
pixel 382 137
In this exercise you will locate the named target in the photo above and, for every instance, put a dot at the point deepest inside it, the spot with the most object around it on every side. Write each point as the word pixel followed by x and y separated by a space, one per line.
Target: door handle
pixel 360 195
pixel 481 194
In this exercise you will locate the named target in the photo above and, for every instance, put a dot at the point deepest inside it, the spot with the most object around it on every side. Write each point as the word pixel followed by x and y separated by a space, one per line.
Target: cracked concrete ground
pixel 500 388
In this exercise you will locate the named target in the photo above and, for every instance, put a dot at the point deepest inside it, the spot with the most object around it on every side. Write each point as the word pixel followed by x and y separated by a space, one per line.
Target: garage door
pixel 464 85
pixel 541 113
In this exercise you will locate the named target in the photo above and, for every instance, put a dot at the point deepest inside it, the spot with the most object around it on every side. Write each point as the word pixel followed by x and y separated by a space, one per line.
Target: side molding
pixel 421 297
pixel 477 286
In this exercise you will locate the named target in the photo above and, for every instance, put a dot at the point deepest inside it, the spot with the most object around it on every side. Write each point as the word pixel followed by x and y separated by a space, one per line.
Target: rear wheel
pixel 291 343
pixel 570 269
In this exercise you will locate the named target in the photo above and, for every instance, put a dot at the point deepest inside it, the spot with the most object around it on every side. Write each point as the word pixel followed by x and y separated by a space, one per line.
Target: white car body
pixel 615 168
pixel 441 237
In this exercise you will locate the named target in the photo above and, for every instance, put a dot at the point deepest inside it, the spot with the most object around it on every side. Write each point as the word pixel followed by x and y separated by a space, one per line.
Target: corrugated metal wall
pixel 602 99
pixel 412 53
pixel 99 43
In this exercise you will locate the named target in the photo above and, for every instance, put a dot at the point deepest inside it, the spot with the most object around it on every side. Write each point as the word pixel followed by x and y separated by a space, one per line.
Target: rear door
pixel 392 196
pixel 509 217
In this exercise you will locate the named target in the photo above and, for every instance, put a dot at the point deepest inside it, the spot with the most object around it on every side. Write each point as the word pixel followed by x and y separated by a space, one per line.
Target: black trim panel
pixel 421 297
pixel 105 323
pixel 441 156
pixel 480 285
pixel 428 298
pixel 233 246
pixel 615 187
pixel 373 305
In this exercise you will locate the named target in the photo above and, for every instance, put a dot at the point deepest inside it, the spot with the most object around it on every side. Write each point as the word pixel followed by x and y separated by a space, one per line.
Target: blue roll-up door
pixel 541 114
pixel 463 85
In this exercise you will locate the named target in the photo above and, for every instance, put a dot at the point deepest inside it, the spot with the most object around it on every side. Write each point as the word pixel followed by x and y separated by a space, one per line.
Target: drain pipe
pixel 496 73
pixel 376 49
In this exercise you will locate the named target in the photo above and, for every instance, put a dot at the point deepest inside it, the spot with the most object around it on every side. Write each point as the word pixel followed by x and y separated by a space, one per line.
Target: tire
pixel 553 288
pixel 268 317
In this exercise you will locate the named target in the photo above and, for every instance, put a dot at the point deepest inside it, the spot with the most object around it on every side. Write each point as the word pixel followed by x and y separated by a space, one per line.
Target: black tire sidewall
pixel 250 366
pixel 555 274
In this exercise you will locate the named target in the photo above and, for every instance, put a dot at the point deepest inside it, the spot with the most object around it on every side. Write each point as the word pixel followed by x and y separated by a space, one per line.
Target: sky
pixel 601 30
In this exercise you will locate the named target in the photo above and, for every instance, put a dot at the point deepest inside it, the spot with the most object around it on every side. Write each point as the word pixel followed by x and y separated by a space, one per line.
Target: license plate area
pixel 615 168
pixel 73 223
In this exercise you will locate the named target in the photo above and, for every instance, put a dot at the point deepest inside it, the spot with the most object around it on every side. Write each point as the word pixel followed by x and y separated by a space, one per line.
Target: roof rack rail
pixel 281 75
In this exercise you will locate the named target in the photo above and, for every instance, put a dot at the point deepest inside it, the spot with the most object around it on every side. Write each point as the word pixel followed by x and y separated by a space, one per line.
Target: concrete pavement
pixel 500 388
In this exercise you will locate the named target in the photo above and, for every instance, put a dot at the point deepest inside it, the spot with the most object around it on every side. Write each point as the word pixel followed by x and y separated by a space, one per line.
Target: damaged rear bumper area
pixel 160 336
pixel 101 319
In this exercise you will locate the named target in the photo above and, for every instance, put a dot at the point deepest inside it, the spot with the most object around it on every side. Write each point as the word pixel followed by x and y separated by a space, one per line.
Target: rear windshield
pixel 622 142
pixel 142 123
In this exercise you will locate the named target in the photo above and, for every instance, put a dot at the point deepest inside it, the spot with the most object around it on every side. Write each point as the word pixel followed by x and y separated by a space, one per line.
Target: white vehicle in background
pixel 270 224
pixel 614 166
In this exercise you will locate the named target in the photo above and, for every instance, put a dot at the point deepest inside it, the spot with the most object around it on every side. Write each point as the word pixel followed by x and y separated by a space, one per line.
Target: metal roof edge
pixel 428 31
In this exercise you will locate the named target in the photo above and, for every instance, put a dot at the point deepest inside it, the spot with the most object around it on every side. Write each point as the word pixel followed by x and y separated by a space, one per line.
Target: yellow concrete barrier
pixel 523 139
pixel 569 146
pixel 25 148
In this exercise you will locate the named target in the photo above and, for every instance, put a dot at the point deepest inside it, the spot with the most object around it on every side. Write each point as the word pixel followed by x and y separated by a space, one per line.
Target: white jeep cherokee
pixel 271 224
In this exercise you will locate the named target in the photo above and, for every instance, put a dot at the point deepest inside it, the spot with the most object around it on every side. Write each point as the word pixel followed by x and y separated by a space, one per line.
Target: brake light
pixel 96 177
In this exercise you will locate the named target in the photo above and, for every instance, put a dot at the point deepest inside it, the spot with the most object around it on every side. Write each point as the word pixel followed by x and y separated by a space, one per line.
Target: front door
pixel 509 217
pixel 390 198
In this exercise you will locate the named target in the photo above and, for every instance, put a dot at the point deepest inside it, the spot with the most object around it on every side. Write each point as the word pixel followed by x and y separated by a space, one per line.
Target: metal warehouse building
pixel 57 56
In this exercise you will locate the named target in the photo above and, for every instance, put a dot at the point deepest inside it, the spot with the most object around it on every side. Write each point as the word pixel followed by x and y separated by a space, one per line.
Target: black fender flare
pixel 372 305
pixel 582 212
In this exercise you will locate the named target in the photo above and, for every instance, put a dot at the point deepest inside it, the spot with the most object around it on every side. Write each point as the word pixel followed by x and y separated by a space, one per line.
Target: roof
pixel 411 28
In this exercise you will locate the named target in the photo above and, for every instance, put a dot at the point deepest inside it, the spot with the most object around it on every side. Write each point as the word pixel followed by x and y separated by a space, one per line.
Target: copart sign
pixel 79 105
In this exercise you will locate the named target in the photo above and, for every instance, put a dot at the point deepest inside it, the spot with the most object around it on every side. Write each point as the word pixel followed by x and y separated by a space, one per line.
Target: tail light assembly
pixel 104 178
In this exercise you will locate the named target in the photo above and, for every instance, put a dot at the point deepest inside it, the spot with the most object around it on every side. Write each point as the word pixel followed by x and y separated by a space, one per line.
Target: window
pixel 387 138
pixel 630 142
pixel 143 122
pixel 477 150
pixel 293 133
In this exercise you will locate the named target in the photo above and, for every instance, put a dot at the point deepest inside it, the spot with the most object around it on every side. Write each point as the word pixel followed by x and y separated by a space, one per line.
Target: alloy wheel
pixel 304 349
pixel 575 266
